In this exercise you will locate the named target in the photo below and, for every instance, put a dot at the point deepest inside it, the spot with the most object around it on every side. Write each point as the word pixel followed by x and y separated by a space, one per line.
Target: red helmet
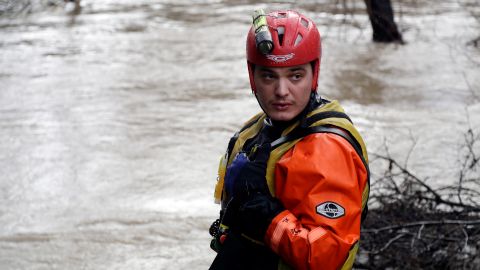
pixel 296 41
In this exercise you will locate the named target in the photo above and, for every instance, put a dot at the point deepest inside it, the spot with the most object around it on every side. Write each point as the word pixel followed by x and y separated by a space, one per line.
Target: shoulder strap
pixel 234 139
pixel 327 114
pixel 300 133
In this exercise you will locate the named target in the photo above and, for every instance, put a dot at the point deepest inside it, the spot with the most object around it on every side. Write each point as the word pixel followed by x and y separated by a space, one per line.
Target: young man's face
pixel 283 92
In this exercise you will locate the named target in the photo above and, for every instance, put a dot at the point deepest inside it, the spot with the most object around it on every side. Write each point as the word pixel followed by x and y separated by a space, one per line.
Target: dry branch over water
pixel 413 225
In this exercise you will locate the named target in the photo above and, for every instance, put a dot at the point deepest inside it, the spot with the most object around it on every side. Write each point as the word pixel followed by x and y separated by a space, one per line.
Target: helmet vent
pixel 304 22
pixel 281 33
pixel 298 40
pixel 282 15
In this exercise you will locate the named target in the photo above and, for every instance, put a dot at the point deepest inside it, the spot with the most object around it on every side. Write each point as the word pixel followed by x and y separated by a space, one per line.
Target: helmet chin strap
pixel 260 104
pixel 313 102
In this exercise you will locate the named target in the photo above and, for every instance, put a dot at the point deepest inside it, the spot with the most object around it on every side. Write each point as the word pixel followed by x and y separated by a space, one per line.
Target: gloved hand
pixel 255 215
pixel 251 207
pixel 251 177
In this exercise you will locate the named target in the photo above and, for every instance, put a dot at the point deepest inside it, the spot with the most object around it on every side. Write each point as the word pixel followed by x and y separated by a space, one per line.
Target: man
pixel 294 182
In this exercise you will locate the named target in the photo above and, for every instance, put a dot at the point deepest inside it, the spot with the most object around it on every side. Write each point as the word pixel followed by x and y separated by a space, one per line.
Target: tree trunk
pixel 384 28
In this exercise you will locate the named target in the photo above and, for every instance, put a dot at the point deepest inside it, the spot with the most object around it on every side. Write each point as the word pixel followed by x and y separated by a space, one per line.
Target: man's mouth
pixel 281 106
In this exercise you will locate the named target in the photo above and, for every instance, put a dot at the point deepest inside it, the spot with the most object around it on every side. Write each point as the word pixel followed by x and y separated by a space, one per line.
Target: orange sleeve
pixel 320 182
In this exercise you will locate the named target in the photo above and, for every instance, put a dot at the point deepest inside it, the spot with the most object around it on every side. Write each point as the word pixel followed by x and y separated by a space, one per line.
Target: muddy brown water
pixel 112 121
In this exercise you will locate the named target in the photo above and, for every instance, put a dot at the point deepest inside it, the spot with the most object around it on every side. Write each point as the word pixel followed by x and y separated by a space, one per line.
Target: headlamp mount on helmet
pixel 263 37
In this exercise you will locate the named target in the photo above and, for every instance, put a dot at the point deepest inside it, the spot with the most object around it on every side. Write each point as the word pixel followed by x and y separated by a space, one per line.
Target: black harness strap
pixel 233 139
pixel 300 133
pixel 328 114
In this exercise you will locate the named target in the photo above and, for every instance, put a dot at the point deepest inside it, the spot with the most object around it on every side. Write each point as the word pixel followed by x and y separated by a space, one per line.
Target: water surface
pixel 113 120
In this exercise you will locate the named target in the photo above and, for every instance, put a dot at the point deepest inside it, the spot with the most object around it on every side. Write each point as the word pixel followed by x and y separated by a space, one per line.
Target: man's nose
pixel 282 87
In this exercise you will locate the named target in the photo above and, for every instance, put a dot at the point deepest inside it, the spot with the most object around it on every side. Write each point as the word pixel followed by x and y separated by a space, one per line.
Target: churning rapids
pixel 112 120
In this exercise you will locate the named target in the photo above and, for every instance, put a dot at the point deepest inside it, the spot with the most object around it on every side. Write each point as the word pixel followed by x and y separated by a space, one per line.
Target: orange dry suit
pixel 320 175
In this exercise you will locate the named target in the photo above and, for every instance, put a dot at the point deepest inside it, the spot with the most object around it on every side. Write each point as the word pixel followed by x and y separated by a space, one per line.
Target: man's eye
pixel 297 76
pixel 267 76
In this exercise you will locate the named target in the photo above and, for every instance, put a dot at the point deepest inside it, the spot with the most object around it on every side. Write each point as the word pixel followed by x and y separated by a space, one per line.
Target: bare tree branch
pixel 422 224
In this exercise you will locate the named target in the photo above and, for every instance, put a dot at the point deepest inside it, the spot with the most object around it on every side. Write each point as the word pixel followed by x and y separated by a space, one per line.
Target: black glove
pixel 251 207
pixel 246 175
pixel 255 215
pixel 251 219
pixel 251 177
pixel 238 253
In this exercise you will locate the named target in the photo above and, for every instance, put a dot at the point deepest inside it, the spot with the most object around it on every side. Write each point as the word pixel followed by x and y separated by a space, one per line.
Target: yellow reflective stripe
pixel 245 135
pixel 222 168
pixel 339 122
pixel 346 125
pixel 275 156
pixel 351 258
pixel 365 193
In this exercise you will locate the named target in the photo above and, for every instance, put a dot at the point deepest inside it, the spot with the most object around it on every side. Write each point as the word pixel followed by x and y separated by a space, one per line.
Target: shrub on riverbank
pixel 412 225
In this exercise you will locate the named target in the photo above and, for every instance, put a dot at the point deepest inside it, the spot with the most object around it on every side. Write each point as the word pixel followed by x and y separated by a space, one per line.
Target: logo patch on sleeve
pixel 330 210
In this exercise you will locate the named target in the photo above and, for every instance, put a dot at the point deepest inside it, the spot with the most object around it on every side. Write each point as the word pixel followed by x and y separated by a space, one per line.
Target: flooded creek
pixel 112 120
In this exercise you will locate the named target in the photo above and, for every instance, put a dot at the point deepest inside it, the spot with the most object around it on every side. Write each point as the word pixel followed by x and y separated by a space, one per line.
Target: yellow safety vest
pixel 328 115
